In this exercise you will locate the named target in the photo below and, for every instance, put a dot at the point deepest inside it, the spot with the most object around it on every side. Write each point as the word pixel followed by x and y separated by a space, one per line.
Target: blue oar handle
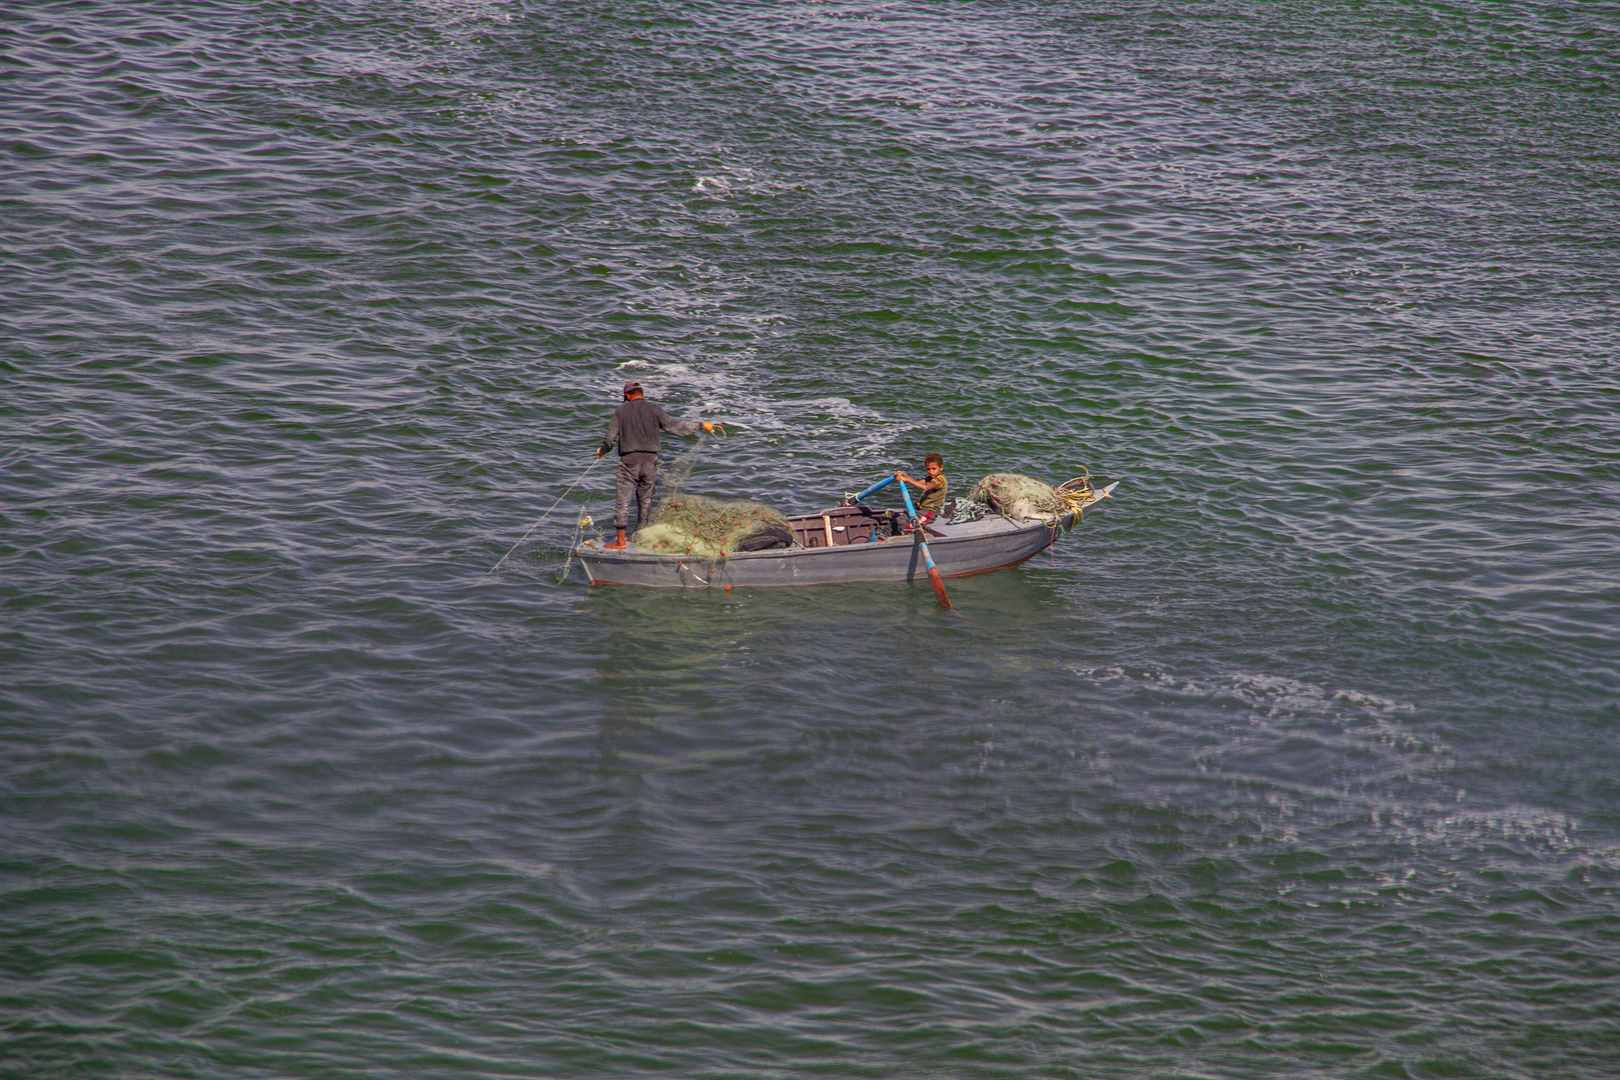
pixel 911 511
pixel 879 486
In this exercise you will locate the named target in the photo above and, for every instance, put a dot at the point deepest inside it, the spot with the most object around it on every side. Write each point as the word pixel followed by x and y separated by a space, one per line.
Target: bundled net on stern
pixel 710 529
pixel 1023 497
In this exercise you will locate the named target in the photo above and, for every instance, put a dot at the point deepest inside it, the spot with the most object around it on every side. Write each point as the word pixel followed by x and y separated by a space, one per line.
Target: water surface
pixel 1294 760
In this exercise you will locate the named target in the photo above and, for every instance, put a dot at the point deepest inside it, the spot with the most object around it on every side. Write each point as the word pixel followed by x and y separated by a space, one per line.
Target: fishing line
pixel 681 467
pixel 547 514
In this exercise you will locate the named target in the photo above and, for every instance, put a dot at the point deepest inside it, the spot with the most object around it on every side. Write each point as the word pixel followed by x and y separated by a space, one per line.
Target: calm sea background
pixel 1297 760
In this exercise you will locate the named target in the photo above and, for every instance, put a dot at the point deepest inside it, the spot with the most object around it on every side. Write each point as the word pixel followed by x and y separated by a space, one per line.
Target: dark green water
pixel 1298 760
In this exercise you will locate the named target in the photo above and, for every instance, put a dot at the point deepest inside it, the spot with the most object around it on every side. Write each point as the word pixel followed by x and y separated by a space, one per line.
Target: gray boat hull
pixel 993 543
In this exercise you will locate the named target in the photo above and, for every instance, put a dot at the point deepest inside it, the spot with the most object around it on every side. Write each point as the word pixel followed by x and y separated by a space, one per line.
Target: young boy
pixel 933 489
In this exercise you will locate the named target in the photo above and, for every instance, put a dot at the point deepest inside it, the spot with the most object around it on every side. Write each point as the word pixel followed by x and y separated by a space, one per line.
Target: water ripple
pixel 1291 762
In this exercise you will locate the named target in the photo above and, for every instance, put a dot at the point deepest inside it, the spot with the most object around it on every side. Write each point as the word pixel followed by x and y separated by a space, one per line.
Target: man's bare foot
pixel 615 545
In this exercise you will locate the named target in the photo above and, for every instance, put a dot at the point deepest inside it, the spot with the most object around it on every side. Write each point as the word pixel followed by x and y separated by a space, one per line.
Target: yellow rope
pixel 1076 493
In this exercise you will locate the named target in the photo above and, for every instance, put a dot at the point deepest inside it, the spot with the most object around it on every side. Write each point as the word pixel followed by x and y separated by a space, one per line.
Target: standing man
pixel 635 426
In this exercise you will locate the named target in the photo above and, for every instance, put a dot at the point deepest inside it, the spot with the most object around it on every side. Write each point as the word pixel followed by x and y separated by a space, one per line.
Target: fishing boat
pixel 847 543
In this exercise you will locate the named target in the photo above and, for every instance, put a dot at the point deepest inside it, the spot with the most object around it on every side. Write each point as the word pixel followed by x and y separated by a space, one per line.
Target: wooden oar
pixel 934 577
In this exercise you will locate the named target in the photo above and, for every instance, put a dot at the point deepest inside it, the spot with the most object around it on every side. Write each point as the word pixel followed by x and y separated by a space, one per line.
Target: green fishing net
pixel 704 528
pixel 1020 496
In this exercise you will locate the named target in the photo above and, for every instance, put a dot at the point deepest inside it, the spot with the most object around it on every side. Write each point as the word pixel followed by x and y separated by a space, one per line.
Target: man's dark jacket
pixel 635 426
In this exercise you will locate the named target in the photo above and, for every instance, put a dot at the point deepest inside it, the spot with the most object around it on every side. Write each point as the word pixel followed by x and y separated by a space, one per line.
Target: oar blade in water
pixel 937 582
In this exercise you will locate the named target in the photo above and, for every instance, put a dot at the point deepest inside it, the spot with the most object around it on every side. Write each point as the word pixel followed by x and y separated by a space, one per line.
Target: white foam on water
pixel 524 101
pixel 1400 777
pixel 1480 828
pixel 739 180
pixel 862 434
pixel 668 370
pixel 1269 696
pixel 455 12
pixel 728 388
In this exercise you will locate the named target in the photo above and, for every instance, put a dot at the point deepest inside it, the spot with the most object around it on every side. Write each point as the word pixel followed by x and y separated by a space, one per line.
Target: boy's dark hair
pixel 932 458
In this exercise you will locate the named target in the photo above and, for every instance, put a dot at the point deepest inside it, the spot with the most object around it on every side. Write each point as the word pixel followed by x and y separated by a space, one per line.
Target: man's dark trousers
pixel 636 475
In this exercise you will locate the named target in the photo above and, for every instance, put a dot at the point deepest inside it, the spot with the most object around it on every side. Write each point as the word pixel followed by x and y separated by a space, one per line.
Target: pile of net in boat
pixel 1024 498
pixel 710 529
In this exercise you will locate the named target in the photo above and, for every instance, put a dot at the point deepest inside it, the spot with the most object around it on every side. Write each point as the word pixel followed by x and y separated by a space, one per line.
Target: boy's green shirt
pixel 934 498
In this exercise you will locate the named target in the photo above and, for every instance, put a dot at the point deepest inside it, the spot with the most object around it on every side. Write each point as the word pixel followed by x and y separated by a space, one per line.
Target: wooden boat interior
pixel 844 525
